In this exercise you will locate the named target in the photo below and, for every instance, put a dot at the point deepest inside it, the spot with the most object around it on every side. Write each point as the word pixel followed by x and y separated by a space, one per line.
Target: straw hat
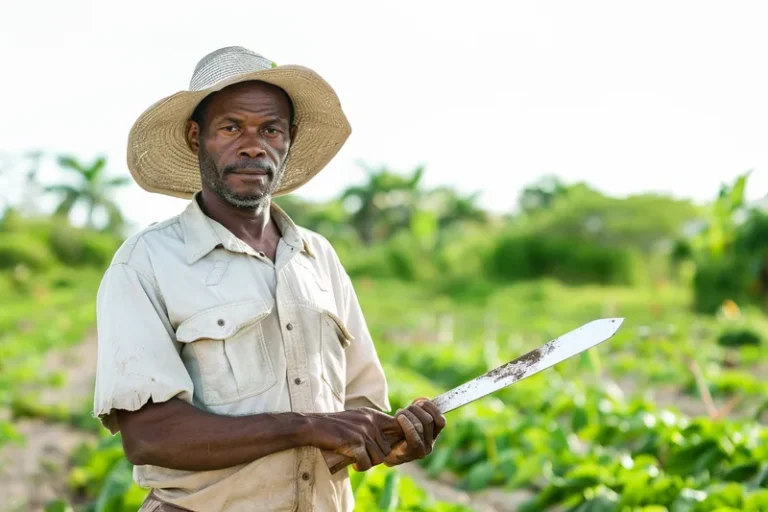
pixel 160 160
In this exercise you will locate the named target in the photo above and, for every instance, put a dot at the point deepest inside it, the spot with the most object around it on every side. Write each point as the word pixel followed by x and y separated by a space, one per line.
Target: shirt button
pixel 262 254
pixel 305 476
pixel 289 327
pixel 220 322
pixel 297 380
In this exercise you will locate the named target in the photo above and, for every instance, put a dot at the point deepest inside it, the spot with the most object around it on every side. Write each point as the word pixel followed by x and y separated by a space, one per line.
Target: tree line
pixel 392 225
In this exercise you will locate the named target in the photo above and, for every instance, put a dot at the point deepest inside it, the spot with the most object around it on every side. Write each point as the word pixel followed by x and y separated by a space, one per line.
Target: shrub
pixel 24 249
pixel 400 258
pixel 526 256
pixel 78 247
pixel 718 280
pixel 738 338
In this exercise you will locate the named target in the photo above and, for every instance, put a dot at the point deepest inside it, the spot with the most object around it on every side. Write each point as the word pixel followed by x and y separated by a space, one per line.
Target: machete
pixel 546 356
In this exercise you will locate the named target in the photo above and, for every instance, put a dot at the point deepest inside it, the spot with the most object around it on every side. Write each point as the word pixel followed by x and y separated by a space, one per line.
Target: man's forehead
pixel 254 92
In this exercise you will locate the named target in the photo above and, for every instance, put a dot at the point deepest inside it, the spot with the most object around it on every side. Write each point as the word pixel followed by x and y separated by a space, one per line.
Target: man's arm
pixel 177 435
pixel 144 390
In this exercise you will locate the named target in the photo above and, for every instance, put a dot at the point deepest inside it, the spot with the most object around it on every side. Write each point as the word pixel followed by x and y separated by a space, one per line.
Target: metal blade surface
pixel 547 355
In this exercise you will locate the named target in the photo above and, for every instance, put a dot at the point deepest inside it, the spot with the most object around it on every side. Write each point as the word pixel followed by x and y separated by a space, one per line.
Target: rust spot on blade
pixel 517 368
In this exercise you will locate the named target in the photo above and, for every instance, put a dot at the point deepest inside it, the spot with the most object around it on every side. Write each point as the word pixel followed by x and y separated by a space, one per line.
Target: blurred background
pixel 514 172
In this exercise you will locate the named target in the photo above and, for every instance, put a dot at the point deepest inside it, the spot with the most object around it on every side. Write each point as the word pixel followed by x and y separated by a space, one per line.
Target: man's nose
pixel 252 147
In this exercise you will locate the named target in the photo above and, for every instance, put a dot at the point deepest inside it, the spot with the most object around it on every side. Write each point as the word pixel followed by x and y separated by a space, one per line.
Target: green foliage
pixel 542 194
pixel 717 280
pixel 739 338
pixel 30 325
pixel 104 475
pixel 93 190
pixel 640 222
pixel 536 255
pixel 387 490
pixel 43 243
pixel 26 250
pixel 730 254
pixel 572 437
pixel 82 247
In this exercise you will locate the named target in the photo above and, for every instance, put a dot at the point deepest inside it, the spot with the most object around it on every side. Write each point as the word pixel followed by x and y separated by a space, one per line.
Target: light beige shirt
pixel 188 310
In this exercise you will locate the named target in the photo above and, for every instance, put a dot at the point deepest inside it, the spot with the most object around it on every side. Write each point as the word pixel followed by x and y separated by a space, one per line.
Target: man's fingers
pixel 363 460
pixel 381 440
pixel 427 422
pixel 376 454
pixel 437 416
pixel 410 425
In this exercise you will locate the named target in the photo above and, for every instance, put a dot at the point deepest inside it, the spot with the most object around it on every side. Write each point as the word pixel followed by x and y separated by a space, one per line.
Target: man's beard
pixel 214 178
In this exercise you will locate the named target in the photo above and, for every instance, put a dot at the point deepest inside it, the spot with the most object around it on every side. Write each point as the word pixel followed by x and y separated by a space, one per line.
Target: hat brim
pixel 160 160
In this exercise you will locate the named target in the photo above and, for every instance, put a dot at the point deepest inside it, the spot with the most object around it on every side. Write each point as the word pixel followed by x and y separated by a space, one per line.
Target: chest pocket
pixel 335 339
pixel 311 284
pixel 225 352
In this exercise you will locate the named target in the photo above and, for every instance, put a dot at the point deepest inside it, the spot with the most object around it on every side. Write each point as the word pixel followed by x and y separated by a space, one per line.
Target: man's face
pixel 242 139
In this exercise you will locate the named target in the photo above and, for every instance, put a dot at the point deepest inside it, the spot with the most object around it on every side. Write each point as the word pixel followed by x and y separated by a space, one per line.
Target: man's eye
pixel 271 131
pixel 231 128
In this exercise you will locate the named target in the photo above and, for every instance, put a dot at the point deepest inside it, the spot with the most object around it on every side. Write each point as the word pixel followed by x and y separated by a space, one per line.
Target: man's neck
pixel 246 224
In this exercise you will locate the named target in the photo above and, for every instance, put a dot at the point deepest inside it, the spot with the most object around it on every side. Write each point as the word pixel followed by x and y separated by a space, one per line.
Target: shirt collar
pixel 202 234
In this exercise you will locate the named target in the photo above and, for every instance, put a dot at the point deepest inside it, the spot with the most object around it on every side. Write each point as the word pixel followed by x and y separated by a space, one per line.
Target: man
pixel 233 354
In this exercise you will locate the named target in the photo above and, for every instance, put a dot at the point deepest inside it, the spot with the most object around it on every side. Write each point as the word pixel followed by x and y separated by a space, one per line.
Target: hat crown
pixel 225 63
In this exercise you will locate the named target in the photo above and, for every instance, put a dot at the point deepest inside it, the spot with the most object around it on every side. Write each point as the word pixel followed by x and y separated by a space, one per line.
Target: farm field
pixel 660 417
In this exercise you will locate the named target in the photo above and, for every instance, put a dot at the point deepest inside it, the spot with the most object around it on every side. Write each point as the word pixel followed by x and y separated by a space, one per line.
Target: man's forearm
pixel 177 435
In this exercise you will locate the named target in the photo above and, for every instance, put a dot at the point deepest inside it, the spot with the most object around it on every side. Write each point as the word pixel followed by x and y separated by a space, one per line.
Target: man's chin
pixel 246 201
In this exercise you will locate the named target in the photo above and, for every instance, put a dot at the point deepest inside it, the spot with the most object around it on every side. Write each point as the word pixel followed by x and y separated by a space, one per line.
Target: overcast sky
pixel 644 96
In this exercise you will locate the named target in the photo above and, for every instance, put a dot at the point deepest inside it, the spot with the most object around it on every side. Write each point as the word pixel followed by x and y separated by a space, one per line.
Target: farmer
pixel 233 356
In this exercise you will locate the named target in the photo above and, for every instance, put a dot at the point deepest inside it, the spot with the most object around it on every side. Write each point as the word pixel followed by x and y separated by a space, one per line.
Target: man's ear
pixel 193 136
pixel 292 132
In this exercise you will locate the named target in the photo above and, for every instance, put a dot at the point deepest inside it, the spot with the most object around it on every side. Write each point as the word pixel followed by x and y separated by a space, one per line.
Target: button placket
pixel 298 388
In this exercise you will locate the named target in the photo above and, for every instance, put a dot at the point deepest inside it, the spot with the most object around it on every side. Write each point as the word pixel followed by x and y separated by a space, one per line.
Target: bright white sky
pixel 631 97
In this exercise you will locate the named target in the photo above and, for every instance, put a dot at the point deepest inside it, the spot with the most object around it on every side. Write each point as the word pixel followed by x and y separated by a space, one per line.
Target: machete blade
pixel 547 355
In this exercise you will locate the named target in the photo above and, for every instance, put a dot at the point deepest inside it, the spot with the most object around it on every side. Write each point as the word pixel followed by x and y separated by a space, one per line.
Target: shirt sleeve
pixel 138 355
pixel 366 382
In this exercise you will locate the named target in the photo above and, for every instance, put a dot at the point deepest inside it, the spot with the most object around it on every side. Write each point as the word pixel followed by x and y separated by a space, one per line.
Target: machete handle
pixel 336 461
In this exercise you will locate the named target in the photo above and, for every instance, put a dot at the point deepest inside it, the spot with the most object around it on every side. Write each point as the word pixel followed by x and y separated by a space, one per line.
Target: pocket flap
pixel 345 337
pixel 221 322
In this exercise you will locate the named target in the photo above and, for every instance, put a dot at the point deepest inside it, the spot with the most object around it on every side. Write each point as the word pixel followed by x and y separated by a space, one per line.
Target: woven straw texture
pixel 160 160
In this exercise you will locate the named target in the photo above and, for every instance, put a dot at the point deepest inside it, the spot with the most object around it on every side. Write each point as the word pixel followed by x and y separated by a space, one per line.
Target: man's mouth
pixel 251 172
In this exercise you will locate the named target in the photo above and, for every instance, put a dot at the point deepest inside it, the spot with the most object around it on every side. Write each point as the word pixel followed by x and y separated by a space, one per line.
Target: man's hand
pixel 360 434
pixel 421 422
